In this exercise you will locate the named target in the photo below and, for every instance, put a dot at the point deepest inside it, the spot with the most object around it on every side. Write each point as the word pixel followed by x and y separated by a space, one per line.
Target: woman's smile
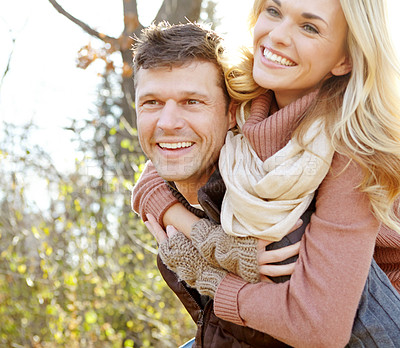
pixel 276 58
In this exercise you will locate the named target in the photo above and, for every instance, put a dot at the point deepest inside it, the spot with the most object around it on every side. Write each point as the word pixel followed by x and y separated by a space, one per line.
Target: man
pixel 183 116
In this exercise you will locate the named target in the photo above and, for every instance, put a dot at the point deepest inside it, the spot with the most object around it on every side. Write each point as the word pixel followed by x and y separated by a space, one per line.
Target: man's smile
pixel 177 145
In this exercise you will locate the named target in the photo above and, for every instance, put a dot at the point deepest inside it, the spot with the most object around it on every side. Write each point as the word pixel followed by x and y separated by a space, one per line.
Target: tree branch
pixel 8 64
pixel 131 17
pixel 7 69
pixel 84 26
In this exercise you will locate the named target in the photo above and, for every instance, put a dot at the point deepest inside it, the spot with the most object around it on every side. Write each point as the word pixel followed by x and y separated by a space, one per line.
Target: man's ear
pixel 343 67
pixel 232 114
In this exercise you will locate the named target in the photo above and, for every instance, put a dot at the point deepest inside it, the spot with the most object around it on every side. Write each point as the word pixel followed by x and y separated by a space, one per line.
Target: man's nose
pixel 170 117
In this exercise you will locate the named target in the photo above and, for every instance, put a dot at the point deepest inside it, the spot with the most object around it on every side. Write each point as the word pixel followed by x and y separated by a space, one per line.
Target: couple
pixel 310 81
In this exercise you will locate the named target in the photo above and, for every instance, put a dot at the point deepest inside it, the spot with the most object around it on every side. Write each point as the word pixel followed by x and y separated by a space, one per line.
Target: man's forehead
pixel 196 78
pixel 191 66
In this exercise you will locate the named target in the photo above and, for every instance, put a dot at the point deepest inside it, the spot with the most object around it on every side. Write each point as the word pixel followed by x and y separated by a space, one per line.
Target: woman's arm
pixel 151 195
pixel 181 218
pixel 317 306
pixel 180 255
pixel 243 256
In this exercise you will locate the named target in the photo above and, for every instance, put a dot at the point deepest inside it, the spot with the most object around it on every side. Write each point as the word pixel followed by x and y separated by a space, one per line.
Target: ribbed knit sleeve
pixel 226 301
pixel 151 195
pixel 387 254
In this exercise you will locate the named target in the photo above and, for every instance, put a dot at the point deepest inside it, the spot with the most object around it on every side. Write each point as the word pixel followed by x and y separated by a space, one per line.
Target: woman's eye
pixel 310 29
pixel 272 11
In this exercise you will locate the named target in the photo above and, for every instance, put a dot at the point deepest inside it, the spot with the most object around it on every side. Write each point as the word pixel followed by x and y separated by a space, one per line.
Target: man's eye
pixel 192 102
pixel 150 102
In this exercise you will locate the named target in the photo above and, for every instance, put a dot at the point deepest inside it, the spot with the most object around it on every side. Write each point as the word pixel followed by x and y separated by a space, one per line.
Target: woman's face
pixel 297 45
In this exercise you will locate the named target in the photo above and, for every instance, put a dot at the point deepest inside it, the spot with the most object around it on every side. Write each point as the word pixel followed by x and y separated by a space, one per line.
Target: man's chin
pixel 174 176
pixel 175 172
pixel 172 173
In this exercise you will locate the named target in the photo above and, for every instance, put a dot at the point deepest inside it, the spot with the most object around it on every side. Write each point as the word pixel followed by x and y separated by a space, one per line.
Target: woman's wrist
pixel 182 219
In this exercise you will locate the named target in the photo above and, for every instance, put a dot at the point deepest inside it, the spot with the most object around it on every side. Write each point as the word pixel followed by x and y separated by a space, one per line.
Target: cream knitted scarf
pixel 265 199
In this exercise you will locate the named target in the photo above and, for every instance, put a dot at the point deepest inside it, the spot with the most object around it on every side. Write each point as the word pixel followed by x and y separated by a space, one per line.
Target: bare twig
pixel 84 26
pixel 7 69
pixel 8 64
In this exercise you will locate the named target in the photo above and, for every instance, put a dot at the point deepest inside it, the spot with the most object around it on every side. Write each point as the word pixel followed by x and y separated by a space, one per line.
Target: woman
pixel 325 61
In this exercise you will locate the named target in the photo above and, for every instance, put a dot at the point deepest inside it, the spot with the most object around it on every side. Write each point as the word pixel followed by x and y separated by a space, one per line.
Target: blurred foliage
pixel 80 271
pixel 77 267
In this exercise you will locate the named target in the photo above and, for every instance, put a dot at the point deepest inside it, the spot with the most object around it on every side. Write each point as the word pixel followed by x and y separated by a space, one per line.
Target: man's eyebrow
pixel 146 95
pixel 183 94
pixel 195 94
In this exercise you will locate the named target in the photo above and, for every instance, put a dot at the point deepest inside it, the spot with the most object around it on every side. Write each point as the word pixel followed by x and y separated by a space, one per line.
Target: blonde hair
pixel 361 109
pixel 239 77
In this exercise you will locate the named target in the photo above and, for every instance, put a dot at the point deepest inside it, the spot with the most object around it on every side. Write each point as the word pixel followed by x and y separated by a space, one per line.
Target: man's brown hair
pixel 166 45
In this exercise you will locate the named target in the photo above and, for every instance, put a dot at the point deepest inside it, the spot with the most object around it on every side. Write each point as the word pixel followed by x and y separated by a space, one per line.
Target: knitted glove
pixel 180 256
pixel 235 254
pixel 151 195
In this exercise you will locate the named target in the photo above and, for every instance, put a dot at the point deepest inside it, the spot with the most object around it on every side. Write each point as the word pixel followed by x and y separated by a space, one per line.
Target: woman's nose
pixel 281 33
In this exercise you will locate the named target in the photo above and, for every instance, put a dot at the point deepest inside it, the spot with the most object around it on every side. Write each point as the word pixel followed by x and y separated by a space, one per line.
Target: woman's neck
pixel 284 98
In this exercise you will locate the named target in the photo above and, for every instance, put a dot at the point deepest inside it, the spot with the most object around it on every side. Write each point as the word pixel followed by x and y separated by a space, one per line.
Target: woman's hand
pixel 237 255
pixel 157 231
pixel 267 258
pixel 179 255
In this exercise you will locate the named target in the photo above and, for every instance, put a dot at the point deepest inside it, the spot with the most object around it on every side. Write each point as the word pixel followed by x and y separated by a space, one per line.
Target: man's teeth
pixel 175 145
pixel 277 59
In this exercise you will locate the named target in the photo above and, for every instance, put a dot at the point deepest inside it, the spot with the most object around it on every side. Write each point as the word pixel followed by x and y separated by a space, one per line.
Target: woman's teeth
pixel 175 145
pixel 277 59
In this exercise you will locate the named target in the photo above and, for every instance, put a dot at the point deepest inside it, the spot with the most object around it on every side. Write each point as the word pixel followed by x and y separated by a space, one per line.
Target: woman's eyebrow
pixel 311 16
pixel 306 15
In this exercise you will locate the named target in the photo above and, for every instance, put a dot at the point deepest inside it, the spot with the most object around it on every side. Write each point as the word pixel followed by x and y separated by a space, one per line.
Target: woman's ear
pixel 232 114
pixel 343 67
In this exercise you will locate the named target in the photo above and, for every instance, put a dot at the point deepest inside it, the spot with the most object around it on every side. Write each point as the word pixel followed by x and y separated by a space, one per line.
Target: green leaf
pixel 129 343
pixel 125 143
pixel 91 317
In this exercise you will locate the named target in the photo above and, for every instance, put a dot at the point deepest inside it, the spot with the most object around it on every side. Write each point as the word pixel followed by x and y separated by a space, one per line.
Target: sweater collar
pixel 268 128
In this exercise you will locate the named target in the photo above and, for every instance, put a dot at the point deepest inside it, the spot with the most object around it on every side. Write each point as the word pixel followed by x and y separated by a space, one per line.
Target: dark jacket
pixel 213 332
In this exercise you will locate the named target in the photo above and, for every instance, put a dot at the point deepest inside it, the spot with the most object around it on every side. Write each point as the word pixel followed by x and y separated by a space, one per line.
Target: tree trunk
pixel 179 11
pixel 173 11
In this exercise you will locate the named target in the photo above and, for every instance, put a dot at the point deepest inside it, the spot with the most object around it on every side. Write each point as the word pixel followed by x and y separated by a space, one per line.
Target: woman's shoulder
pixel 344 173
pixel 339 196
pixel 344 165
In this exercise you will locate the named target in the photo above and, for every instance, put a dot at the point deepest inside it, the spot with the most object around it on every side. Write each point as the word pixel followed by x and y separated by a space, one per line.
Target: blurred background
pixel 77 267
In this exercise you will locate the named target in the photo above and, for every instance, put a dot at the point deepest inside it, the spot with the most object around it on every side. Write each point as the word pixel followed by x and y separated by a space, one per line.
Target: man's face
pixel 182 120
